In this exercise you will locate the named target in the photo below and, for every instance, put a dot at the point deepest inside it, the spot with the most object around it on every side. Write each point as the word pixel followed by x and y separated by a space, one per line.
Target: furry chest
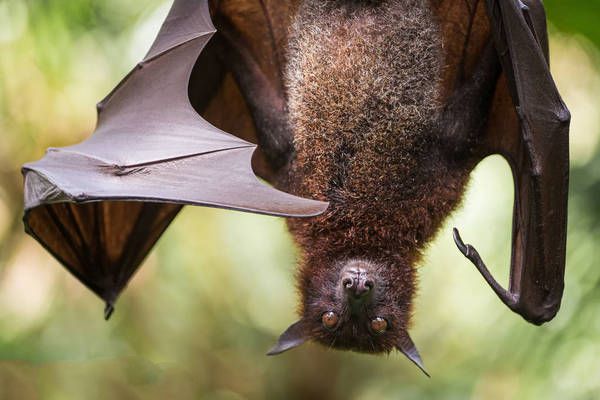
pixel 363 90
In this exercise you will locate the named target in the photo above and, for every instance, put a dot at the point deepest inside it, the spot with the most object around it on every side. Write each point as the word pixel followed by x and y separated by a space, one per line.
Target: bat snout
pixel 357 283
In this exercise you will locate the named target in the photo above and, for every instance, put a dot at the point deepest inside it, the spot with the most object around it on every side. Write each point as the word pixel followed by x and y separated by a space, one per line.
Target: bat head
pixel 353 306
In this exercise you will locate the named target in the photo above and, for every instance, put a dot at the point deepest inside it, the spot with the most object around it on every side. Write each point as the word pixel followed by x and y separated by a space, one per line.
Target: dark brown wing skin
pixel 99 206
pixel 528 125
pixel 249 47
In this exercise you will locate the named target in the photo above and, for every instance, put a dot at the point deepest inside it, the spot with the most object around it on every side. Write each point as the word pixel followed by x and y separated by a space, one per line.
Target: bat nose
pixel 357 284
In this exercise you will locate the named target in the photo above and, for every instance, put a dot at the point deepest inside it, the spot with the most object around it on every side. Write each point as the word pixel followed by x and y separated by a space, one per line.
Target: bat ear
pixel 293 337
pixel 408 348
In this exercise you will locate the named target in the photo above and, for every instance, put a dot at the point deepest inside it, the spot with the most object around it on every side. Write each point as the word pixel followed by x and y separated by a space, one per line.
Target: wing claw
pixel 471 253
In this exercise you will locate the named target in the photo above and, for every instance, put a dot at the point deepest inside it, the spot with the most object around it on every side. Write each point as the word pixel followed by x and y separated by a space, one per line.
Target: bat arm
pixel 510 299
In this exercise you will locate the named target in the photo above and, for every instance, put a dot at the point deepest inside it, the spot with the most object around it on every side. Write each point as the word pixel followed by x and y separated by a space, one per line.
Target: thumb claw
pixel 459 243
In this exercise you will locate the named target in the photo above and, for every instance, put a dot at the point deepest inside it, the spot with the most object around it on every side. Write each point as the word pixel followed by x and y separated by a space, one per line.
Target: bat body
pixel 367 113
pixel 380 108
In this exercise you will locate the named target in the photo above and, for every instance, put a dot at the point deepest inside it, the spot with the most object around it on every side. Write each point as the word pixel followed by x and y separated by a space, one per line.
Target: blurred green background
pixel 197 319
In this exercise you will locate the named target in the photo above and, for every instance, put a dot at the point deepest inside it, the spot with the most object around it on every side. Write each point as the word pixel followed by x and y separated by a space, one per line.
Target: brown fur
pixel 364 87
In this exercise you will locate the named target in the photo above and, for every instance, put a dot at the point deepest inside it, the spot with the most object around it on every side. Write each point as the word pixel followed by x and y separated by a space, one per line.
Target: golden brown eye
pixel 330 320
pixel 379 325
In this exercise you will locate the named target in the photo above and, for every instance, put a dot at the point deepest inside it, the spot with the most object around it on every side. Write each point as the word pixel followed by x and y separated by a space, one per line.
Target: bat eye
pixel 330 320
pixel 379 325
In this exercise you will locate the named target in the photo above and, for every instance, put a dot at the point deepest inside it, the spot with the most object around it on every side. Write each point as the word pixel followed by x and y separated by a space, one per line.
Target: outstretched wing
pixel 99 206
pixel 528 125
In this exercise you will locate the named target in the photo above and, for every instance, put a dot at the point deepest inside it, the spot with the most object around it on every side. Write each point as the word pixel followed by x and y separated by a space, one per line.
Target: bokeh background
pixel 197 319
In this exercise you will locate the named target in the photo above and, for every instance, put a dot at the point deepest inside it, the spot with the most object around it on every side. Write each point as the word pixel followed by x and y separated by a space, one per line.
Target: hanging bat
pixel 380 108
pixel 390 105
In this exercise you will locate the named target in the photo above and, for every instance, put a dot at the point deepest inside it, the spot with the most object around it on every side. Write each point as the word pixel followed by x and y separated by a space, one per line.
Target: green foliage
pixel 578 17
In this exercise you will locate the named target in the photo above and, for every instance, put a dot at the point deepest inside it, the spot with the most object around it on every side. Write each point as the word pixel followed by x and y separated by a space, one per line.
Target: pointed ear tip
pixel 273 352
pixel 419 363
pixel 284 347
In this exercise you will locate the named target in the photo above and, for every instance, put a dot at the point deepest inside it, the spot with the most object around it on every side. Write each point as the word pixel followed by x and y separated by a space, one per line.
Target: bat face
pixel 354 308
pixel 355 304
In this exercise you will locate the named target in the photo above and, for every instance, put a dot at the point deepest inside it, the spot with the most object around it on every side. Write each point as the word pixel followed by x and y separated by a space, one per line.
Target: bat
pixel 378 109
pixel 387 127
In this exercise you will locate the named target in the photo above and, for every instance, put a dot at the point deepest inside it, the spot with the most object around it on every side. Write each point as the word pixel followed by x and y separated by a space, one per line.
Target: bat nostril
pixel 348 283
pixel 357 286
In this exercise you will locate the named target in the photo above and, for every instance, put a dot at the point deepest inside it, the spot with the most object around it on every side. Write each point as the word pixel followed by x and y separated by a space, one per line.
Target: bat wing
pixel 529 126
pixel 100 206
